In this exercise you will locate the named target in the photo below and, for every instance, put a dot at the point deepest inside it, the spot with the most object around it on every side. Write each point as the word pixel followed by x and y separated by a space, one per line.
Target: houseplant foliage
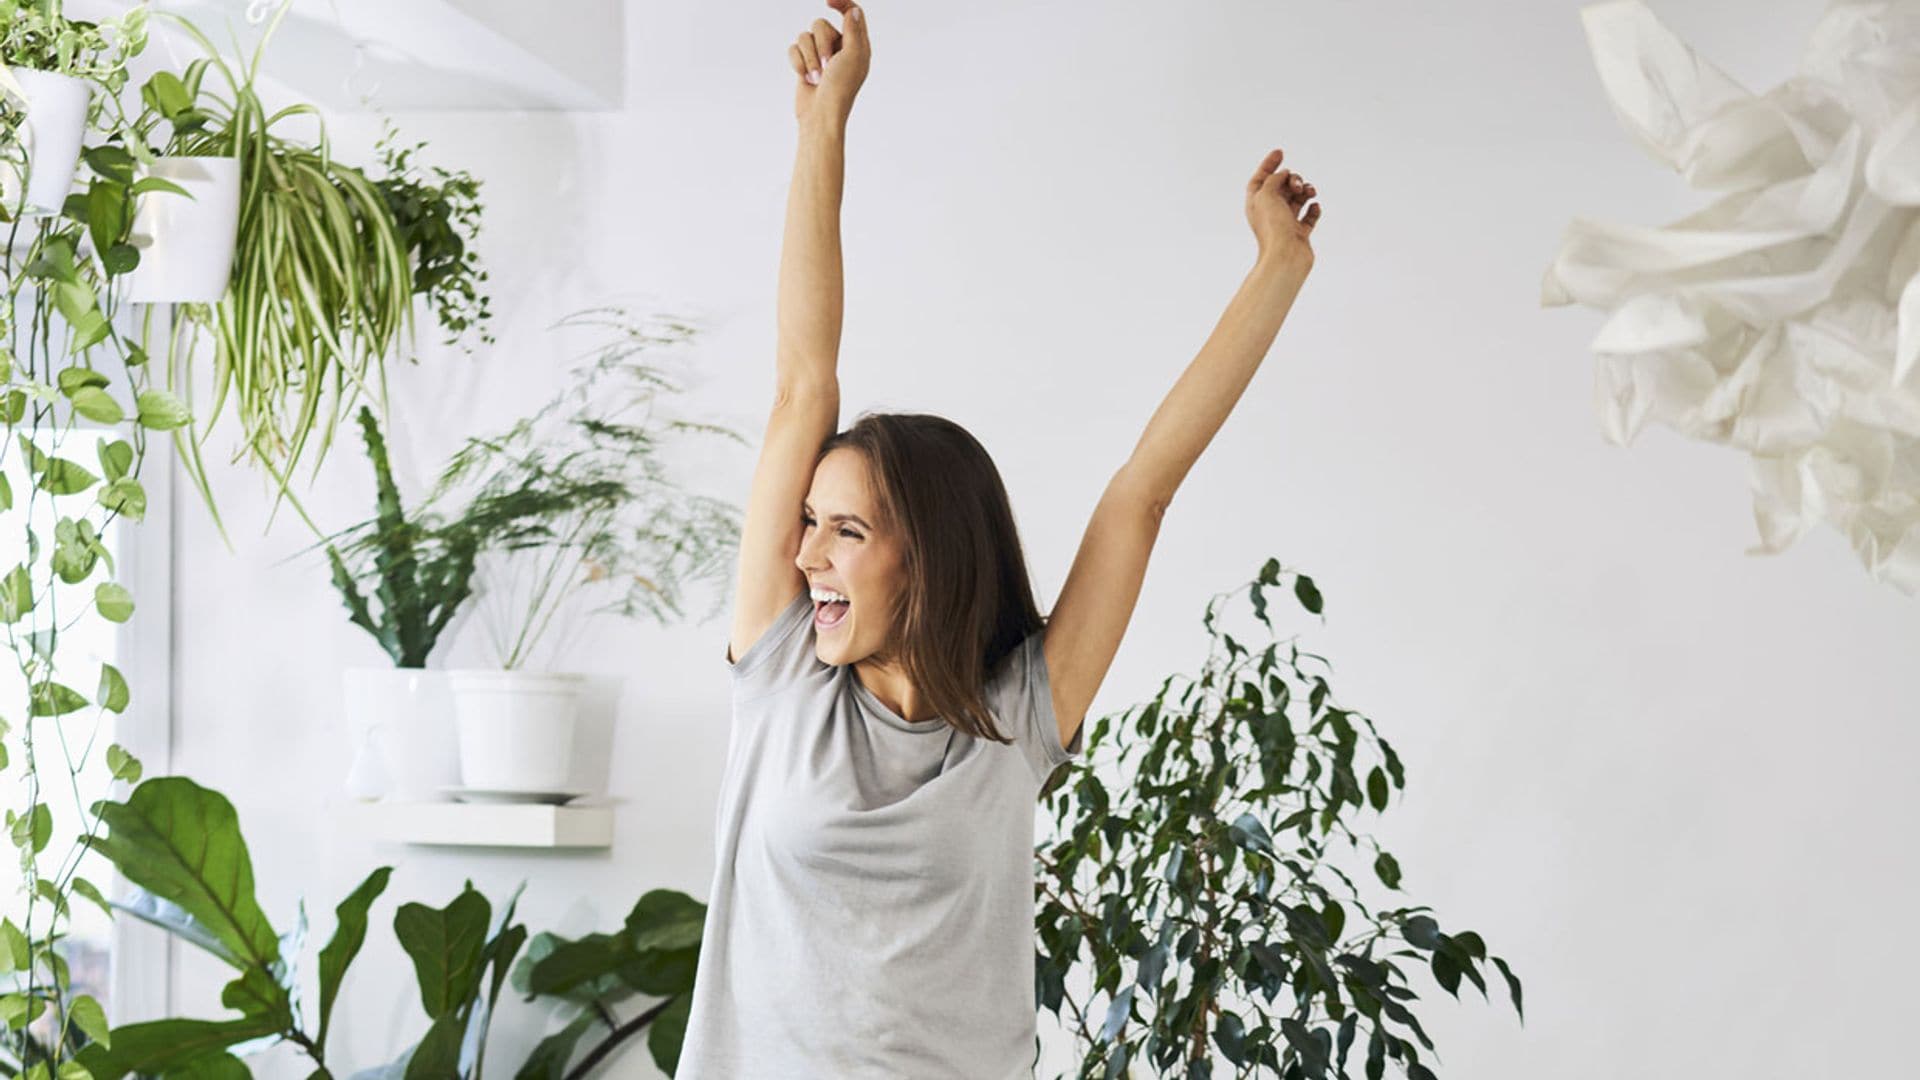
pixel 321 290
pixel 436 212
pixel 570 512
pixel 418 572
pixel 181 845
pixel 328 264
pixel 78 404
pixel 1204 903
pixel 576 502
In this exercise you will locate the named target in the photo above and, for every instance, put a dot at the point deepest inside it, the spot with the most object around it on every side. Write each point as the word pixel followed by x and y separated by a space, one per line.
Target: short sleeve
pixel 1022 700
pixel 782 653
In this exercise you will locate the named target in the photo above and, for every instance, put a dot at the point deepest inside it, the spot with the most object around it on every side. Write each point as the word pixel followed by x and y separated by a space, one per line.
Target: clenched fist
pixel 831 65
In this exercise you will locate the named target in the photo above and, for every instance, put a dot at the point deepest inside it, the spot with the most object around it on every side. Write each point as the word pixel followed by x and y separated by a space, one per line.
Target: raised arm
pixel 829 66
pixel 1096 602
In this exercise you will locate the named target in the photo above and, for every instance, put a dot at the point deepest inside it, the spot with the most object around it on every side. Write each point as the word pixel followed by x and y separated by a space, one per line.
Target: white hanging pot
pixel 400 725
pixel 516 729
pixel 186 241
pixel 56 122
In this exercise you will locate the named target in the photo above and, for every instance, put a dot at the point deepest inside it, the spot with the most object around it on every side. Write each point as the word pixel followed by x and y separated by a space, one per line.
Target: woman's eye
pixel 849 534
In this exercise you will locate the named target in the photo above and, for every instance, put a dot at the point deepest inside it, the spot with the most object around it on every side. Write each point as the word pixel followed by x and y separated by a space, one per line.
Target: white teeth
pixel 828 594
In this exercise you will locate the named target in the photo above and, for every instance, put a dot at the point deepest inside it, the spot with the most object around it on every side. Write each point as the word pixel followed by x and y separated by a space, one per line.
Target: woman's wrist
pixel 825 128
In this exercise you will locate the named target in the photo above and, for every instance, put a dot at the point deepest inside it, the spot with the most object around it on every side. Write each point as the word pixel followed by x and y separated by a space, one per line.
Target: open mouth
pixel 830 613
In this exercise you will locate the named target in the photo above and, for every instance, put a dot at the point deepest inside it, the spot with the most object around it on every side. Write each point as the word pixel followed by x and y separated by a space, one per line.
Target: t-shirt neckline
pixel 887 715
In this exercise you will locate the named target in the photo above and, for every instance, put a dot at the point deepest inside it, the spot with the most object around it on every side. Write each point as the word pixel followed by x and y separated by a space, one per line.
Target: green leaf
pixel 157 183
pixel 161 411
pixel 669 1033
pixel 77 377
pixel 112 162
pixel 6 492
pixel 182 843
pixel 665 919
pixel 1377 788
pixel 87 1015
pixel 167 94
pixel 160 1046
pixel 549 1058
pixel 114 601
pixel 1309 596
pixel 126 496
pixel 112 694
pixel 16 595
pixel 1389 870
pixel 13 408
pixel 349 933
pixel 437 1057
pixel 123 765
pixel 121 258
pixel 33 830
pixel 90 891
pixel 446 945
pixel 54 699
pixel 63 477
pixel 13 947
pixel 116 458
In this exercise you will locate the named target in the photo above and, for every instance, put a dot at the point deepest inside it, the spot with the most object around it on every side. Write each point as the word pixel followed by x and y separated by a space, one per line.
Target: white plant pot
pixel 516 728
pixel 400 721
pixel 55 125
pixel 186 241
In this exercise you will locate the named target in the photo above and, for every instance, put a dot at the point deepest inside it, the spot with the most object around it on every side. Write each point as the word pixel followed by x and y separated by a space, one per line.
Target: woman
pixel 898 700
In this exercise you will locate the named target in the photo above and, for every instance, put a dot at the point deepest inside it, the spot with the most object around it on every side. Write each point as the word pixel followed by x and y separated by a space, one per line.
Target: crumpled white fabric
pixel 1784 318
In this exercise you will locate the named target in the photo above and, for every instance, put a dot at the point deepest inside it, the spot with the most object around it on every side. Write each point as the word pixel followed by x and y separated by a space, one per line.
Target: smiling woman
pixel 899 700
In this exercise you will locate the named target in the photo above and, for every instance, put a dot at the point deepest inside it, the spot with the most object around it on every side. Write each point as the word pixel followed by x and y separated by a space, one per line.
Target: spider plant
pixel 321 290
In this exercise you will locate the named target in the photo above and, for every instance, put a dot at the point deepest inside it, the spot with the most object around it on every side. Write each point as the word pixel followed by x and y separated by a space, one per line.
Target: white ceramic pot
pixel 516 728
pixel 400 721
pixel 186 241
pixel 55 125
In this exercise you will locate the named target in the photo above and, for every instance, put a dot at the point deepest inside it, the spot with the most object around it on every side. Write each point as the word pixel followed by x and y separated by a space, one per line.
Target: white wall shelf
pixel 487 824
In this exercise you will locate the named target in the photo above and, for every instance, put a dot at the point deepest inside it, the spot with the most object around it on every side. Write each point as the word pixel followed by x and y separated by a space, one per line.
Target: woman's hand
pixel 831 65
pixel 1275 205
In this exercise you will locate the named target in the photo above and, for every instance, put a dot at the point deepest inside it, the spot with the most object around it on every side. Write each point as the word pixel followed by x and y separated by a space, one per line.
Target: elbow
pixel 1135 490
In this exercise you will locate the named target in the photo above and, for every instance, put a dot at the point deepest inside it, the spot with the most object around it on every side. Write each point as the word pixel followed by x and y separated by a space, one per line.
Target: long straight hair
pixel 968 601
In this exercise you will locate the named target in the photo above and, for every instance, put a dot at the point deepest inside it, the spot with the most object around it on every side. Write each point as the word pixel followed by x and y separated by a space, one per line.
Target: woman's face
pixel 843 549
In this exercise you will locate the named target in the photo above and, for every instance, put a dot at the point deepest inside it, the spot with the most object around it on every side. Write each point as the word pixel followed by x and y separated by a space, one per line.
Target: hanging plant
pixel 321 291
pixel 436 212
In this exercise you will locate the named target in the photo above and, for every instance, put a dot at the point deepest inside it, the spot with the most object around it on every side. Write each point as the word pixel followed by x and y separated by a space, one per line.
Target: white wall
pixel 1663 778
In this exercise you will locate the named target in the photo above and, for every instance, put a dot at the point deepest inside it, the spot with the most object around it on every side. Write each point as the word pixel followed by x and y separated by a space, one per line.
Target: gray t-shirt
pixel 872 907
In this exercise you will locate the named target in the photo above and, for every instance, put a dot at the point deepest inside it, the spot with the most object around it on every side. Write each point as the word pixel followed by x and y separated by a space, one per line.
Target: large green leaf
pixel 446 945
pixel 182 842
pixel 160 1046
pixel 348 936
pixel 438 1055
pixel 669 1033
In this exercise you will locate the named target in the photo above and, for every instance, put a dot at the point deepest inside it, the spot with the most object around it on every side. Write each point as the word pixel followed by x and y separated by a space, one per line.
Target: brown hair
pixel 968 601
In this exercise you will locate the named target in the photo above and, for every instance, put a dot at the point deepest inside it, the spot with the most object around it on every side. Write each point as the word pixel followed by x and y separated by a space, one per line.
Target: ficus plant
pixel 1206 911
pixel 180 844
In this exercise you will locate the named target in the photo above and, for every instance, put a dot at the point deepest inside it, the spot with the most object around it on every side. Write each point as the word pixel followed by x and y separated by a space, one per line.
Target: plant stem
pixel 615 1038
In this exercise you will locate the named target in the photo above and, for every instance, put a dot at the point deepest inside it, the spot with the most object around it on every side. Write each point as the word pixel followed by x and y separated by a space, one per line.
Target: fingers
pixel 1265 169
pixel 1269 178
pixel 826 40
pixel 853 19
pixel 809 58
